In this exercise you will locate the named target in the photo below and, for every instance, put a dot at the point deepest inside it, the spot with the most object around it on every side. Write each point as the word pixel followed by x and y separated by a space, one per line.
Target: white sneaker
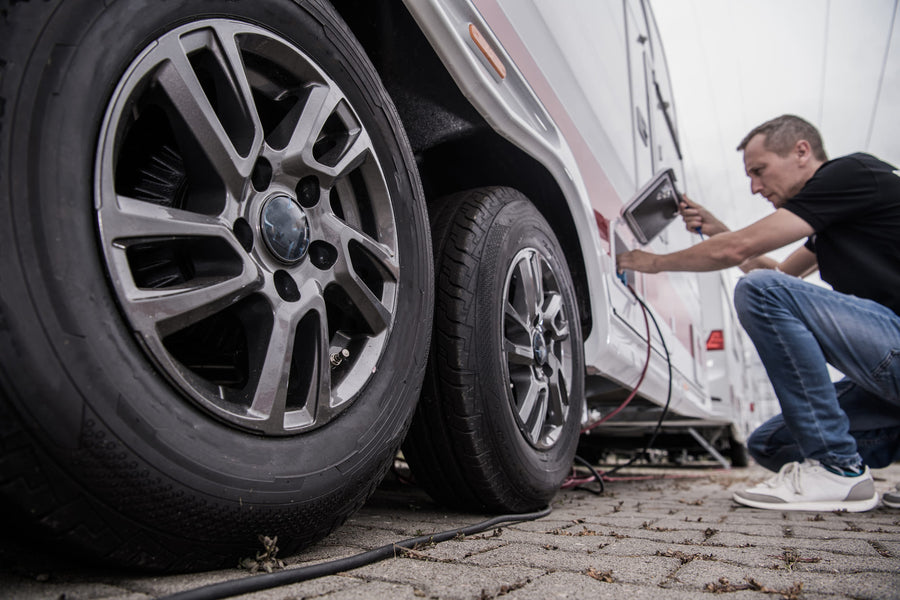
pixel 810 486
pixel 892 499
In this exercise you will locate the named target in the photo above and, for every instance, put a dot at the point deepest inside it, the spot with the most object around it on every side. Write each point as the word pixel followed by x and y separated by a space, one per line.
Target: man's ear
pixel 802 151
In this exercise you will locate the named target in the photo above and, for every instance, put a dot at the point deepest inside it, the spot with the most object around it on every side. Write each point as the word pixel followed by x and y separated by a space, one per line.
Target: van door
pixel 637 36
pixel 639 57
pixel 680 299
pixel 675 297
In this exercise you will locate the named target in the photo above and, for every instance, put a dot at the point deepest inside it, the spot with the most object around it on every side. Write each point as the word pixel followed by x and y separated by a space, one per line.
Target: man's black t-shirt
pixel 853 204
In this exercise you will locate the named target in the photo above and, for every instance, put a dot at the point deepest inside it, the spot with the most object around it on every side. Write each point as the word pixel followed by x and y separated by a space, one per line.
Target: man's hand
pixel 637 260
pixel 699 220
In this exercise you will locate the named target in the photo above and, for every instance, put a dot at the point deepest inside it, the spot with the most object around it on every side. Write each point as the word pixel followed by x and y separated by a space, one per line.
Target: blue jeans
pixel 797 328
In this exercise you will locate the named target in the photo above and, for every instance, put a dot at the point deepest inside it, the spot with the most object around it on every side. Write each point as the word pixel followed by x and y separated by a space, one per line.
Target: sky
pixel 737 63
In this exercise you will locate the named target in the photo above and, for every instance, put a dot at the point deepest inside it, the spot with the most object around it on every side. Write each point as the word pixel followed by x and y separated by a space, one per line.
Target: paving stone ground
pixel 668 534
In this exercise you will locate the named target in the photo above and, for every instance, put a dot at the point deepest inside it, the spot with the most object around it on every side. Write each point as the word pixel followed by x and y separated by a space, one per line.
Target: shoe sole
pixel 849 506
pixel 890 503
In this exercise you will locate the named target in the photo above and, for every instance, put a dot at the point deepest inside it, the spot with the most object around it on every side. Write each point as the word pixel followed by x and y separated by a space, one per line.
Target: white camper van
pixel 249 249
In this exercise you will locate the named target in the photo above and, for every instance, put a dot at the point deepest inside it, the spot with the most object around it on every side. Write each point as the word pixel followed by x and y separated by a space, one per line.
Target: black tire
pixel 176 378
pixel 468 446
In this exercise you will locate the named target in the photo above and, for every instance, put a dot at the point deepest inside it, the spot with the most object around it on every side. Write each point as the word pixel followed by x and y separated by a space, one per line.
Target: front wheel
pixel 498 422
pixel 216 275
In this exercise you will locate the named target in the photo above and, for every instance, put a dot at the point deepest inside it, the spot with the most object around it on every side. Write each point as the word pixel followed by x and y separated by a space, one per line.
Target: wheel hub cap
pixel 540 348
pixel 285 229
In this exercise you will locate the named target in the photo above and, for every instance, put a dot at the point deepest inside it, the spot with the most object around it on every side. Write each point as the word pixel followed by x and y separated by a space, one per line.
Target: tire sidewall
pixel 81 379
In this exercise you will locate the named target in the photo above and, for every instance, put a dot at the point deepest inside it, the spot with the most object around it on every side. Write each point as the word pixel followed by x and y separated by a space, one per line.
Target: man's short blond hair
pixel 782 134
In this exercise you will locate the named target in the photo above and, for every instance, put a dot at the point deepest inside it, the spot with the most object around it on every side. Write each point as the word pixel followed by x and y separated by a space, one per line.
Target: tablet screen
pixel 654 208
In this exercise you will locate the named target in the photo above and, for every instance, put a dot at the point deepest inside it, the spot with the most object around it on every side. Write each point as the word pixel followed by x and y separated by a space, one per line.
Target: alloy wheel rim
pixel 537 349
pixel 247 226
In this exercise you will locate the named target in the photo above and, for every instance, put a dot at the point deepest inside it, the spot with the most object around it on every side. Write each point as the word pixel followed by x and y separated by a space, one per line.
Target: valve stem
pixel 338 357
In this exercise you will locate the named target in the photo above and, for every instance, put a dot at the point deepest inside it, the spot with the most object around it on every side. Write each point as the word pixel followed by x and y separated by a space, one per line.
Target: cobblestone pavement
pixel 664 533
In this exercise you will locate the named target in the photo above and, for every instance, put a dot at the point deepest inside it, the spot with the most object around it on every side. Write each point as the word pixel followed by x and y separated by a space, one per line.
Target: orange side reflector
pixel 715 341
pixel 488 52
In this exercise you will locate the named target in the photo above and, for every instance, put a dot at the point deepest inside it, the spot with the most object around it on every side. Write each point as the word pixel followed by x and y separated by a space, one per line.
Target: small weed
pixel 683 556
pixel 724 586
pixel 791 557
pixel 697 502
pixel 604 576
pixel 265 560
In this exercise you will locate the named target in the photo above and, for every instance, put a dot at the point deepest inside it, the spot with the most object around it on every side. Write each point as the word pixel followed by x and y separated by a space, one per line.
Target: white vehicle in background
pixel 251 248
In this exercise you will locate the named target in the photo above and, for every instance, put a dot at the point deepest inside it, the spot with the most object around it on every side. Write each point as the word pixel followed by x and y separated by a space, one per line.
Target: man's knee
pixel 751 289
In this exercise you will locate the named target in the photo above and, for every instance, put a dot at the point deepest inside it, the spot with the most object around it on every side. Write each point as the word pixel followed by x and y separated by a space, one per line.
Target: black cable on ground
pixel 597 477
pixel 255 583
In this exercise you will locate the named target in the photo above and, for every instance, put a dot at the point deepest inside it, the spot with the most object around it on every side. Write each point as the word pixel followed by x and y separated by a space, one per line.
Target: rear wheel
pixel 217 280
pixel 498 422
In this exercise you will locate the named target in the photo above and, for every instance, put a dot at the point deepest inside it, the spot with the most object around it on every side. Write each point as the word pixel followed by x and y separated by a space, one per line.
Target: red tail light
pixel 716 340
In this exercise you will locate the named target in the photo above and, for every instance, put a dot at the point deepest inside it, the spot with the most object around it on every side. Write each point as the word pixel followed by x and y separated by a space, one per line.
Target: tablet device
pixel 653 207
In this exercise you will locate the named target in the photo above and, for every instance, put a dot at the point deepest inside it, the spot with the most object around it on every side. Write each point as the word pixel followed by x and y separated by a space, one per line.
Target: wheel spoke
pixel 558 391
pixel 270 397
pixel 373 311
pixel 518 354
pixel 164 311
pixel 554 317
pixel 383 256
pixel 372 308
pixel 537 268
pixel 530 286
pixel 130 218
pixel 319 400
pixel 351 157
pixel 540 413
pixel 321 102
pixel 237 73
pixel 183 88
pixel 173 308
pixel 533 408
pixel 521 321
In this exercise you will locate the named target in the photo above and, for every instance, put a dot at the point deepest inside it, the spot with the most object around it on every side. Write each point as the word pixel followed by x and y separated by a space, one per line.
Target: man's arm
pixel 801 263
pixel 698 219
pixel 727 249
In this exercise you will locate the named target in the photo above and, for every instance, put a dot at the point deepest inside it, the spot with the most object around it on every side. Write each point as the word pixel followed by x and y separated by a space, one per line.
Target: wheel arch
pixel 445 129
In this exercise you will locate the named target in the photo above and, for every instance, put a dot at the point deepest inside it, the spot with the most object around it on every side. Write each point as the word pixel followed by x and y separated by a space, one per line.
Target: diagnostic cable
pixel 255 583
